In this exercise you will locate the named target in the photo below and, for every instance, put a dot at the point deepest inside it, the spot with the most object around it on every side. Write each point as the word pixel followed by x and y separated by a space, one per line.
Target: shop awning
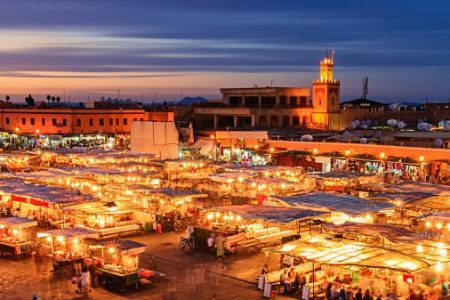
pixel 334 203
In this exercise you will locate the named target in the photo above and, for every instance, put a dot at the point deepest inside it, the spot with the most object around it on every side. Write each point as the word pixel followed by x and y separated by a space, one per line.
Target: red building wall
pixel 69 121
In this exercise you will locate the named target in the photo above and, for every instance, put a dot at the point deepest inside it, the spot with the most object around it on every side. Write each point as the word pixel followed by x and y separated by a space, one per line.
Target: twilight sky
pixel 173 48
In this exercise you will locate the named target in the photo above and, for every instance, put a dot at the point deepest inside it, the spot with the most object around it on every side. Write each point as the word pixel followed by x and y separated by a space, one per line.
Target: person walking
pixel 85 281
pixel 367 295
pixel 359 295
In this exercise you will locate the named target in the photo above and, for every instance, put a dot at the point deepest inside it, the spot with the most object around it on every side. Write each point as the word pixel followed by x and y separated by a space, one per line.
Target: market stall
pixel 340 181
pixel 16 236
pixel 247 228
pixel 119 262
pixel 66 247
pixel 349 264
pixel 106 219
pixel 40 202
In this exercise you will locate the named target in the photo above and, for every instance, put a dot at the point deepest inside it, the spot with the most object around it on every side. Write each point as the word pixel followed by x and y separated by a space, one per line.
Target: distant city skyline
pixel 166 50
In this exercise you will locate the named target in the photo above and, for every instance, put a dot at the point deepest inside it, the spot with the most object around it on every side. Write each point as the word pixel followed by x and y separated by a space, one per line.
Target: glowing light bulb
pixel 419 248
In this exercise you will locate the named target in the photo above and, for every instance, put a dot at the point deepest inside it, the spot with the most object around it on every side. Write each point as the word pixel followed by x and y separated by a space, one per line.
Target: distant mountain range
pixel 192 100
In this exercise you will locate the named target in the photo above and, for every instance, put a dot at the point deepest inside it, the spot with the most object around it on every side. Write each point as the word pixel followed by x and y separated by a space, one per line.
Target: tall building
pixel 326 95
pixel 275 107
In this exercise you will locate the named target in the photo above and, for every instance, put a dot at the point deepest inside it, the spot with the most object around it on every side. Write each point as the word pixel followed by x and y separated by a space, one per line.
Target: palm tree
pixel 48 98
pixel 53 99
pixel 7 98
pixel 58 99
pixel 29 100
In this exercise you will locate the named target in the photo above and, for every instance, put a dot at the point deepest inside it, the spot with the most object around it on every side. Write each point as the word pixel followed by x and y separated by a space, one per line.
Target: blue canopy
pixel 342 203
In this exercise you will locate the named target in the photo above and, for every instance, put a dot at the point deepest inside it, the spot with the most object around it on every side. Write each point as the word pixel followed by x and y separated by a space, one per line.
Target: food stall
pixel 186 172
pixel 119 263
pixel 34 201
pixel 66 247
pixel 340 181
pixel 16 236
pixel 247 228
pixel 349 264
pixel 106 219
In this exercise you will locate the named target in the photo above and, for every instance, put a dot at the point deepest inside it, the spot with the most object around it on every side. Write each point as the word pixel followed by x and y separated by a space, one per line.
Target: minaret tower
pixel 325 93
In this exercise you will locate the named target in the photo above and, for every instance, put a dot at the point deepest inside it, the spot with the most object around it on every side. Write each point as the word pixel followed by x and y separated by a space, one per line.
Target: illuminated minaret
pixel 325 93
pixel 326 68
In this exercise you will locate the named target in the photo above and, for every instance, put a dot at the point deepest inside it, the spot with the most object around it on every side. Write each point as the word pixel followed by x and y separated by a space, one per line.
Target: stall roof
pixel 404 196
pixel 254 169
pixel 57 195
pixel 435 202
pixel 226 177
pixel 18 222
pixel 172 193
pixel 351 253
pixel 125 245
pixel 391 232
pixel 99 207
pixel 343 203
pixel 271 213
pixel 442 216
pixel 337 175
pixel 71 233
pixel 435 189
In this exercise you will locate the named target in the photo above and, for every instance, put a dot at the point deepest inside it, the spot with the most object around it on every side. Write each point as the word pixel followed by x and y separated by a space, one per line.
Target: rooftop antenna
pixel 332 55
pixel 271 82
pixel 365 90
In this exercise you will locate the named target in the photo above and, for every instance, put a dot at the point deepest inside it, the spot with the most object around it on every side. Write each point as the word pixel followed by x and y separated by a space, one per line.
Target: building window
pixel 142 119
pixel 111 121
pixel 285 121
pixel 117 121
pixel 64 122
pixel 32 121
pixel 125 121
pixel 303 101
pixel 79 122
pixel 43 121
pixel 7 120
pixel 54 122
pixel 293 101
pixel 283 100
pixel 135 119
pixel 295 121
pixel 101 121
pixel 24 121
pixel 91 122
